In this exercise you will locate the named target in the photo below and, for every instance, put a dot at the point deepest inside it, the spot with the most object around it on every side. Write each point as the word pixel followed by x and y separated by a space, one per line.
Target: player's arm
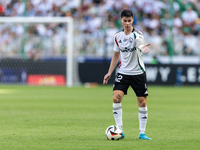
pixel 113 64
pixel 140 42
pixel 144 48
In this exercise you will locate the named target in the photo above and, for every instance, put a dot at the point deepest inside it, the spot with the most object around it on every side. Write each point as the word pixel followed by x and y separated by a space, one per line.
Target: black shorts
pixel 137 82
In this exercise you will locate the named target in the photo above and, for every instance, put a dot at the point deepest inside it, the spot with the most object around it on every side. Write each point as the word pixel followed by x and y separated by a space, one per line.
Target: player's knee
pixel 117 98
pixel 142 102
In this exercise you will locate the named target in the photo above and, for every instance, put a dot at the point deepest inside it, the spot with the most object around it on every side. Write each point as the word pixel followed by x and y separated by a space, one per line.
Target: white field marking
pixel 5 91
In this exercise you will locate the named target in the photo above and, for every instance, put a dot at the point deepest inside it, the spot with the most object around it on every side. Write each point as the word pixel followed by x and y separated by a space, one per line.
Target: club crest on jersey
pixel 128 49
pixel 130 40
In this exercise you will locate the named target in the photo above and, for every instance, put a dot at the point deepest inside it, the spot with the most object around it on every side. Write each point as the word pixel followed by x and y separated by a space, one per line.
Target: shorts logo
pixel 118 78
pixel 146 92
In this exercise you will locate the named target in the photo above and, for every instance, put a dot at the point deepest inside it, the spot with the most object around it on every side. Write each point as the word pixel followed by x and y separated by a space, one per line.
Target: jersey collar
pixel 132 30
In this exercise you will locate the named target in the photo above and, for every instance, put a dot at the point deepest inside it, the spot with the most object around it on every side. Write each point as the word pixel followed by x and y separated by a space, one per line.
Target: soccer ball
pixel 113 133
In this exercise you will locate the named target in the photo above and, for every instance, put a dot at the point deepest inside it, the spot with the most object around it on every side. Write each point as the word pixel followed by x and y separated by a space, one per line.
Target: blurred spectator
pixel 153 22
pixel 2 9
pixel 189 17
pixel 177 20
pixel 94 22
pixel 45 7
pixel 158 7
pixel 59 3
pixel 156 43
pixel 190 42
pixel 197 50
pixel 111 30
pixel 178 42
pixel 19 8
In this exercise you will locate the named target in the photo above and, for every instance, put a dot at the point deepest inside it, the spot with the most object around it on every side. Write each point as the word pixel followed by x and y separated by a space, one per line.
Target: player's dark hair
pixel 126 13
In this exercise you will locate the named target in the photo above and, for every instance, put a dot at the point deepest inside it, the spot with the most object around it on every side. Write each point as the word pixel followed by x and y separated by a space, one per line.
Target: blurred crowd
pixel 96 22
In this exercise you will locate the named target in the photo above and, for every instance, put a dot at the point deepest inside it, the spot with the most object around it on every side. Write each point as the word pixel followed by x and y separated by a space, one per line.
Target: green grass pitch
pixel 61 118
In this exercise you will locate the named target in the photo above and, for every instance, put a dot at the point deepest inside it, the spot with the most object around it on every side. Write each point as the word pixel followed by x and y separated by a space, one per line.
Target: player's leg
pixel 117 107
pixel 120 87
pixel 142 115
pixel 139 85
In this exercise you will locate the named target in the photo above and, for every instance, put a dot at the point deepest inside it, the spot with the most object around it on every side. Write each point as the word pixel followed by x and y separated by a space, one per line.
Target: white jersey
pixel 131 62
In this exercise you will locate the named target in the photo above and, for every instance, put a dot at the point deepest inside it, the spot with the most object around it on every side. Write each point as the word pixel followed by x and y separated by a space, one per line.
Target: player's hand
pixel 106 78
pixel 145 49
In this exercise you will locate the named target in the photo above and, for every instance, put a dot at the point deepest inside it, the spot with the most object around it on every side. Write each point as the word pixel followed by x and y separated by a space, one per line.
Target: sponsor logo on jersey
pixel 128 49
pixel 120 41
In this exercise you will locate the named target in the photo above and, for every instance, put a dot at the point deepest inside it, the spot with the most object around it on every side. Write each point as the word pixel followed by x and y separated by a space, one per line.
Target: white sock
pixel 117 111
pixel 142 115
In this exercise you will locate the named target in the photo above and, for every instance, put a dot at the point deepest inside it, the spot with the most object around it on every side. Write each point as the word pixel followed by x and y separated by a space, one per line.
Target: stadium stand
pixel 96 21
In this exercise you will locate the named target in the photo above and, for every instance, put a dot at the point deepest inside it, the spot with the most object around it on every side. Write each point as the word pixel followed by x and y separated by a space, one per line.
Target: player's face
pixel 127 22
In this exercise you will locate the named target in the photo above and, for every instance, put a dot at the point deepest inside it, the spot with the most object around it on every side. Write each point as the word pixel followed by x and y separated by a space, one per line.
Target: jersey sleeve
pixel 139 39
pixel 116 45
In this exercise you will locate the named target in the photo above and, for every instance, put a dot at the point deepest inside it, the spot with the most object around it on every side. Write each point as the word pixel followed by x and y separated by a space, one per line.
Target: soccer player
pixel 129 47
